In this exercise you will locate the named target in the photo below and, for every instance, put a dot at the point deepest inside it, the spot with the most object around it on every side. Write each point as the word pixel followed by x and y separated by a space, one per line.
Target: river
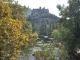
pixel 30 56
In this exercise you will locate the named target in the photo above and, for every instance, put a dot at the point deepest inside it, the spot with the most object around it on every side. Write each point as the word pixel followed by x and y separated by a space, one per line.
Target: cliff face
pixel 42 21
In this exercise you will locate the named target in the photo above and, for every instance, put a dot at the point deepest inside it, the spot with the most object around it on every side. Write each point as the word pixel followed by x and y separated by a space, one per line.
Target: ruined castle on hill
pixel 38 10
pixel 42 21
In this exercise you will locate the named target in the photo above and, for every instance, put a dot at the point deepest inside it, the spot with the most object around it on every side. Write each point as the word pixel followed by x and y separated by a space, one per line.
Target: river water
pixel 29 55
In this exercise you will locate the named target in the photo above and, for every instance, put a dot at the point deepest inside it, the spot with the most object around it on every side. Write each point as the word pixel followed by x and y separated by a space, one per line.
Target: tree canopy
pixel 13 33
pixel 70 20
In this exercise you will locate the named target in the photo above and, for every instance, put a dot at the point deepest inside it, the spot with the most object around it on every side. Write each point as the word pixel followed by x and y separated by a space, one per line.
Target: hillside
pixel 42 21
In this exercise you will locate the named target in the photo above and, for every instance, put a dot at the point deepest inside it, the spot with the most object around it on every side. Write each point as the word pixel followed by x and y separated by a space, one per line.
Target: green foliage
pixel 48 30
pixel 46 53
pixel 35 28
pixel 51 53
pixel 70 19
pixel 18 11
pixel 32 39
pixel 63 35
pixel 56 34
pixel 42 21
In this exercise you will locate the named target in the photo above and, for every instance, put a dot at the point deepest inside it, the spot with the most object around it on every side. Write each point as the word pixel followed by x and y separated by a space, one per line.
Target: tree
pixel 70 18
pixel 5 10
pixel 18 11
pixel 12 37
pixel 56 34
pixel 36 28
pixel 50 53
pixel 63 35
pixel 47 30
pixel 46 53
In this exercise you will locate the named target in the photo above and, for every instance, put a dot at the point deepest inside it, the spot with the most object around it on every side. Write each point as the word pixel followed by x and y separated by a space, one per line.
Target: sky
pixel 48 4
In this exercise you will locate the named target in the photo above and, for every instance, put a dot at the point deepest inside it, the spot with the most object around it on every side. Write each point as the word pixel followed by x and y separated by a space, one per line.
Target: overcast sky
pixel 48 4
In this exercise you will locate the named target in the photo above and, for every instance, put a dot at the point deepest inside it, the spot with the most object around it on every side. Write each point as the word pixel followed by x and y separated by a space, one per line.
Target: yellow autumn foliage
pixel 13 34
pixel 11 38
pixel 5 10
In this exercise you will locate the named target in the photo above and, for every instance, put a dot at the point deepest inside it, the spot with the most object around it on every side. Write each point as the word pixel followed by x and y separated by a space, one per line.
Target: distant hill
pixel 42 21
